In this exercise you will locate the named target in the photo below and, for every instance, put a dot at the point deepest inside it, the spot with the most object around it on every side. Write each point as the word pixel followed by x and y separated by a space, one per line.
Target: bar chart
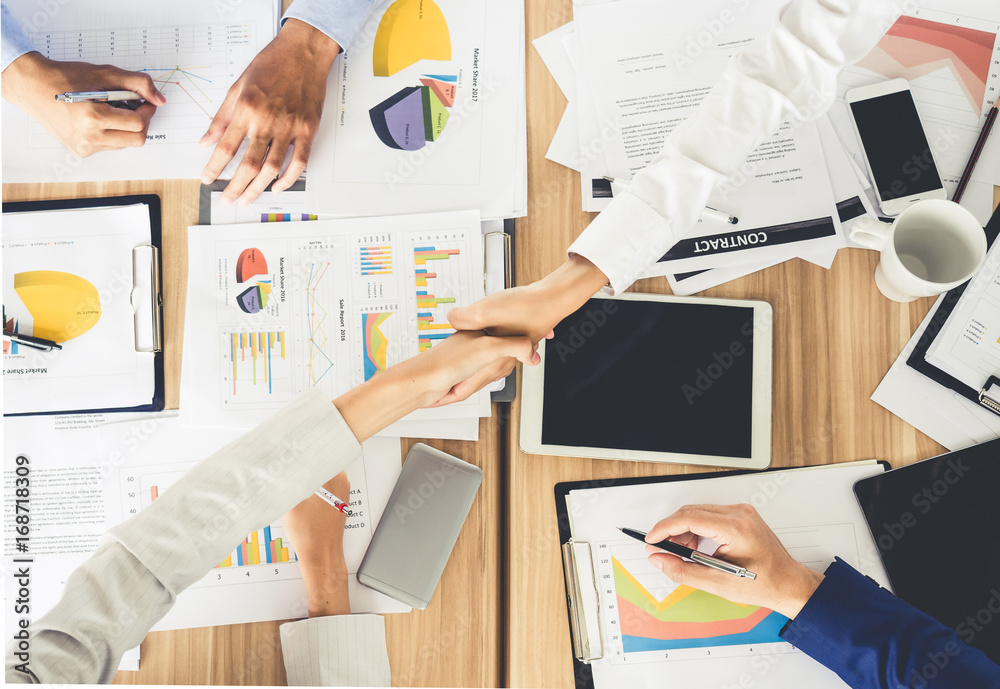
pixel 438 274
pixel 257 366
pixel 262 547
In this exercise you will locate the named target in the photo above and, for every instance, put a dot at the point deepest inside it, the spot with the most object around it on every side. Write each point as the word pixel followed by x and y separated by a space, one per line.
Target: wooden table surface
pixel 835 337
pixel 498 617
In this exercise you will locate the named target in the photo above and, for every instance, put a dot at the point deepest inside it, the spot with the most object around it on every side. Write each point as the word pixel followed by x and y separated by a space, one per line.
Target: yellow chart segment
pixel 410 31
pixel 62 305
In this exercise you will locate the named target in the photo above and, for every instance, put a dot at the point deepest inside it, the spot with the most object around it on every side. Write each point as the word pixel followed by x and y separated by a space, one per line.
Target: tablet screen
pixel 935 525
pixel 654 376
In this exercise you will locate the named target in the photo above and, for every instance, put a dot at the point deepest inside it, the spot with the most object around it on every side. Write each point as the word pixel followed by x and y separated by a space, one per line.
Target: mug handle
pixel 870 233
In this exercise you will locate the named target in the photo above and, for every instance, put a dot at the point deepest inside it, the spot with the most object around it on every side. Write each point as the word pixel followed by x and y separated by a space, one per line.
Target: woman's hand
pixel 316 529
pixel 32 81
pixel 535 309
pixel 782 584
pixel 450 371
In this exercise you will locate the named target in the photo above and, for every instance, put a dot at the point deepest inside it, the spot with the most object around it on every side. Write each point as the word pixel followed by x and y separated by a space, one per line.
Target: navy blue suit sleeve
pixel 874 640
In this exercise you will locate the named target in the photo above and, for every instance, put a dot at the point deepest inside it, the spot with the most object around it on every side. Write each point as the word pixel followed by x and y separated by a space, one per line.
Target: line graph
pixel 165 77
pixel 193 65
pixel 320 357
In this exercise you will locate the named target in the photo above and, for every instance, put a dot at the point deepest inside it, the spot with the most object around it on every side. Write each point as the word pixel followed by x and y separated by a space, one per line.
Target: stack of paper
pixel 328 304
pixel 193 50
pixel 426 112
pixel 632 70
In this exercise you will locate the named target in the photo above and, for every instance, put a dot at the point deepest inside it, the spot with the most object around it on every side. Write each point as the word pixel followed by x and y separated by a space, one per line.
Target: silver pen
pixel 693 555
pixel 97 96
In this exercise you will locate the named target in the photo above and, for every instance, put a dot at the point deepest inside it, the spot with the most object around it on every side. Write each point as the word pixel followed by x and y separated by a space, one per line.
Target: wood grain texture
pixel 835 337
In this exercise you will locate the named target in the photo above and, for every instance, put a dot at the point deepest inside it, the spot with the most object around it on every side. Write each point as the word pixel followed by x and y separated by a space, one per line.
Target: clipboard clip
pixel 581 593
pixel 989 396
pixel 146 298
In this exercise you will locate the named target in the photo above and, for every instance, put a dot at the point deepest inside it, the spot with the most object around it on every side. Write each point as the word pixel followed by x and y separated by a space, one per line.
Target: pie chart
pixel 410 31
pixel 250 263
pixel 62 305
pixel 411 117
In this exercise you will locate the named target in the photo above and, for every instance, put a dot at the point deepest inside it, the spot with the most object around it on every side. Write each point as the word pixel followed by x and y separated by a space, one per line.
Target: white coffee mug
pixel 932 247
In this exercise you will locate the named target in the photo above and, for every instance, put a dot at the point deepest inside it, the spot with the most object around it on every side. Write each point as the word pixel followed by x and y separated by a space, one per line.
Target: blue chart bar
pixel 376 260
pixel 267 540
pixel 239 557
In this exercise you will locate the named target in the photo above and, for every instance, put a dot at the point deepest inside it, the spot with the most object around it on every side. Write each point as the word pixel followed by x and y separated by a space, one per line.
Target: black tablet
pixel 937 527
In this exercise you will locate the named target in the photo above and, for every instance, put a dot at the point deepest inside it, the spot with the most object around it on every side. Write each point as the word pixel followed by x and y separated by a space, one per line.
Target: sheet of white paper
pixel 931 408
pixel 553 53
pixel 470 162
pixel 564 148
pixel 645 85
pixel 193 50
pixel 288 206
pixel 89 254
pixel 274 310
pixel 520 178
pixel 945 49
pixel 109 473
pixel 444 429
pixel 813 511
pixel 967 347
pixel 593 135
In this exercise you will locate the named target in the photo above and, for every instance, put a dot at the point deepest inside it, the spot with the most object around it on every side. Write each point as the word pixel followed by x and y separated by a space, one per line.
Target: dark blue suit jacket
pixel 874 640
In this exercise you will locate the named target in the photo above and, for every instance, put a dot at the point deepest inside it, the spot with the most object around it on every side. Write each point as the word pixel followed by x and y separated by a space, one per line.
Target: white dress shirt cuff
pixel 624 231
pixel 339 650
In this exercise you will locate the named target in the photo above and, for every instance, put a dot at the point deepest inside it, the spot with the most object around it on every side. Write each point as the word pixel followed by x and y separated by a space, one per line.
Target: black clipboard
pixel 584 675
pixel 917 359
pixel 152 201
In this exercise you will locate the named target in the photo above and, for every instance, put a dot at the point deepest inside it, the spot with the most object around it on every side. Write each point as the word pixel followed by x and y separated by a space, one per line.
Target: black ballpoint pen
pixel 693 555
pixel 33 342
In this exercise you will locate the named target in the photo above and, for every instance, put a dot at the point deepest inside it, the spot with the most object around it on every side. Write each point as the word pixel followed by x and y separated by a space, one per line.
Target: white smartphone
pixel 894 144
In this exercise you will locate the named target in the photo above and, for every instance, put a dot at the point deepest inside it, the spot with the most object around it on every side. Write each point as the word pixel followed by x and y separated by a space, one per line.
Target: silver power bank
pixel 420 525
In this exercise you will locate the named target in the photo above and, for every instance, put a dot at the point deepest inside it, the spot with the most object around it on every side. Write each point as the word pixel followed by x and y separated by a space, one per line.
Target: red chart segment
pixel 914 47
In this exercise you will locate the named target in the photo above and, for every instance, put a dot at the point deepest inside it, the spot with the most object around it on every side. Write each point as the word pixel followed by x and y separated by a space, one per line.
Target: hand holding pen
pixel 781 584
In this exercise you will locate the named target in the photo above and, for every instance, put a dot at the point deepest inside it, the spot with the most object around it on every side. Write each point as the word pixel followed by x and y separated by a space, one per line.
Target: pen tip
pixel 619 528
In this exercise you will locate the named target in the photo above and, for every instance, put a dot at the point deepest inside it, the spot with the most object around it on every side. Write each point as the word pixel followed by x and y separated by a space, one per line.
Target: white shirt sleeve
pixel 341 20
pixel 790 74
pixel 140 566
pixel 336 651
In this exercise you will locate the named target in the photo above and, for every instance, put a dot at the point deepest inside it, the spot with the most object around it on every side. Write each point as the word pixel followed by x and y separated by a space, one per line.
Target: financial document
pixel 422 114
pixel 86 481
pixel 647 77
pixel 68 277
pixel 276 308
pixel 655 632
pixel 193 50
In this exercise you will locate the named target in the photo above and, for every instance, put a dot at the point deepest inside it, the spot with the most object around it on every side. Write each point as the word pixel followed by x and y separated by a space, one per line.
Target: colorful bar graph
pixel 259 345
pixel 422 254
pixel 376 260
pixel 285 217
pixel 248 553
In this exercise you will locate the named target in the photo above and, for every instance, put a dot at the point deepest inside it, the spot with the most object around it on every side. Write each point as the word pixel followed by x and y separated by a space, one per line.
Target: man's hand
pixel 316 529
pixel 782 584
pixel 32 81
pixel 277 103
pixel 533 310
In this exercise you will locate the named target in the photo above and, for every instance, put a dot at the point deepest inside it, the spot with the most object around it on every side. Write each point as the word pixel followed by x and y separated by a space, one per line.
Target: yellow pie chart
pixel 410 31
pixel 62 305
